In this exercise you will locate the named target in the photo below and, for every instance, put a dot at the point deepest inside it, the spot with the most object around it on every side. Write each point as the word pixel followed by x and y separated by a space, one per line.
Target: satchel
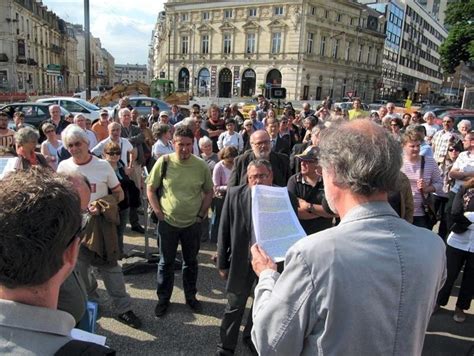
pixel 428 209
pixel 159 190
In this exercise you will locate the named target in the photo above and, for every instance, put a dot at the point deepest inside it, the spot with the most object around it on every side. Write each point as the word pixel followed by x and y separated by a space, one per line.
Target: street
pixel 180 332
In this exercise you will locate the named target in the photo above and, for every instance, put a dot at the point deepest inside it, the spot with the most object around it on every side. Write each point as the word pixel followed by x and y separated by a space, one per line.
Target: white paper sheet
pixel 275 223
pixel 7 164
pixel 78 334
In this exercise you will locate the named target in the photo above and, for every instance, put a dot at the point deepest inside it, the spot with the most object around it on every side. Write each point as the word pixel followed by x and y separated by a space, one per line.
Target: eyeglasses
pixel 260 144
pixel 75 144
pixel 258 176
pixel 114 153
pixel 453 150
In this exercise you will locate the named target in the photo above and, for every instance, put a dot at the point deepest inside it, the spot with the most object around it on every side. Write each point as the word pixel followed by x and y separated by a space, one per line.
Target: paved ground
pixel 181 332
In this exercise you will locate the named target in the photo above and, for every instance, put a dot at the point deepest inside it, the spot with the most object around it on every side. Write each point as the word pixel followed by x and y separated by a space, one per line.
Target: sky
pixel 123 26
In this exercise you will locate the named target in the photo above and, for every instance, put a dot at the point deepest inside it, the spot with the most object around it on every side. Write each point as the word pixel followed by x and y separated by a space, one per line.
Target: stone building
pixel 39 52
pixel 313 48
pixel 129 73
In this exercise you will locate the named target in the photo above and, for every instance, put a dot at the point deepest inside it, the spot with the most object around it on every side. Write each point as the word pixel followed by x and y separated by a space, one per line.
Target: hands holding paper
pixel 260 260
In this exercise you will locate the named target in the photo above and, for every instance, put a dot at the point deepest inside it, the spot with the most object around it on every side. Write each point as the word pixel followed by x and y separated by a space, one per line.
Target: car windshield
pixel 88 105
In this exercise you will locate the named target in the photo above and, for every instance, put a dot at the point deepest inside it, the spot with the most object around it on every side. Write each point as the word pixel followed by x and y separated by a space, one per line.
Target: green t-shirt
pixel 183 187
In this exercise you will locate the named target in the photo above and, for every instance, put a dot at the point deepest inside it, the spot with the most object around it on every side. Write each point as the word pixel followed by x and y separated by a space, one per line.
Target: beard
pixel 262 154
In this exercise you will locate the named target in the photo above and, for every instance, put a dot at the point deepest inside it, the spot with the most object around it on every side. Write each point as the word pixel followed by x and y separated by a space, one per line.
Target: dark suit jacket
pixel 280 167
pixel 235 229
pixel 282 146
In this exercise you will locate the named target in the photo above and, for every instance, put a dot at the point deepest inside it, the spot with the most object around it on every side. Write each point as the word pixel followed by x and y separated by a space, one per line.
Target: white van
pixel 74 106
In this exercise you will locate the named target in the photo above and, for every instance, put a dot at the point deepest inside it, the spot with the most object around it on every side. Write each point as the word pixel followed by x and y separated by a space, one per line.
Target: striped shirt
pixel 431 176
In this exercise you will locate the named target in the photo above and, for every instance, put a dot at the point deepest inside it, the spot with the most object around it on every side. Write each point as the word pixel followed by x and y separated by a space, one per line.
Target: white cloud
pixel 123 26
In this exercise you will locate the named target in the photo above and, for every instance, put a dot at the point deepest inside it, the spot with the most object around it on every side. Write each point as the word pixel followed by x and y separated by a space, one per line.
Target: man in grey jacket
pixel 365 287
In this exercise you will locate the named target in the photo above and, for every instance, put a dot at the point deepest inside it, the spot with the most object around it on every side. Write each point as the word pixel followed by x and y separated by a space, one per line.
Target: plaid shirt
pixel 441 141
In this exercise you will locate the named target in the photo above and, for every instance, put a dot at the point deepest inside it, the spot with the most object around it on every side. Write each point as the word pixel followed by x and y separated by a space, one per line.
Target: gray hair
pixel 122 111
pixel 73 133
pixel 361 156
pixel 25 135
pixel 158 129
pixel 78 116
pixel 464 122
pixel 260 162
pixel 204 140
pixel 427 114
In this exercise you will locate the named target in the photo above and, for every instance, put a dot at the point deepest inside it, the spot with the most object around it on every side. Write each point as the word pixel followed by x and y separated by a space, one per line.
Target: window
pixel 184 17
pixel 322 48
pixel 278 10
pixel 206 16
pixel 326 14
pixel 227 43
pixel 369 54
pixel 313 11
pixel 252 12
pixel 276 42
pixel 228 13
pixel 310 42
pixel 348 51
pixel 335 47
pixel 184 44
pixel 205 44
pixel 339 17
pixel 250 43
pixel 359 57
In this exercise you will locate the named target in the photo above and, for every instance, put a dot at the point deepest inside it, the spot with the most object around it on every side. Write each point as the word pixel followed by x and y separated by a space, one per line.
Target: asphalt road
pixel 182 332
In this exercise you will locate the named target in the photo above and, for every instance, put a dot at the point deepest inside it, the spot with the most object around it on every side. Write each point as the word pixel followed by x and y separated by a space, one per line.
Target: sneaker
pixel 161 308
pixel 195 305
pixel 459 315
pixel 129 318
pixel 138 228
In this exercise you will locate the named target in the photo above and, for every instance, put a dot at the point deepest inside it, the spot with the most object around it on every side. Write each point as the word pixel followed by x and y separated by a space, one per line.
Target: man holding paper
pixel 236 235
pixel 365 287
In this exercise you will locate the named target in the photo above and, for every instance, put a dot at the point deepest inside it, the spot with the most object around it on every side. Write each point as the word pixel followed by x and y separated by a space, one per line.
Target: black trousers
pixel 169 237
pixel 234 311
pixel 440 209
pixel 455 259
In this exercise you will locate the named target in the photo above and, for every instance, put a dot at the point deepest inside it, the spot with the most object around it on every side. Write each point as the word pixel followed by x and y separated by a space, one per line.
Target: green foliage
pixel 459 45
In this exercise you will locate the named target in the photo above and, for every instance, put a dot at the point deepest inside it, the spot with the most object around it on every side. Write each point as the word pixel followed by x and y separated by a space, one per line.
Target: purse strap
pixel 422 171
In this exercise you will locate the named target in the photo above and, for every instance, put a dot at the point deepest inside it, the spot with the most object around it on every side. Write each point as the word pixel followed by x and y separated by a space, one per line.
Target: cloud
pixel 124 27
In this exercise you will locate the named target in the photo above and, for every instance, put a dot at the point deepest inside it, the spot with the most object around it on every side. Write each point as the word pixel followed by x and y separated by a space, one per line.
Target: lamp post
pixel 87 49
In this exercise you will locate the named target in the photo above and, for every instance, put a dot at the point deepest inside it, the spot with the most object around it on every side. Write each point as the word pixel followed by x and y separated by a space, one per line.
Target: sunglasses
pixel 85 217
pixel 453 150
pixel 75 144
pixel 114 153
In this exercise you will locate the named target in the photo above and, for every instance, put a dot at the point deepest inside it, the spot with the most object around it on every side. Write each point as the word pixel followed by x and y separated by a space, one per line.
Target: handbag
pixel 428 209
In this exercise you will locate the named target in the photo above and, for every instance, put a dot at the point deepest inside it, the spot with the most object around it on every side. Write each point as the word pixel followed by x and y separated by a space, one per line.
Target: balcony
pixel 3 57
pixel 31 62
pixel 56 49
pixel 21 60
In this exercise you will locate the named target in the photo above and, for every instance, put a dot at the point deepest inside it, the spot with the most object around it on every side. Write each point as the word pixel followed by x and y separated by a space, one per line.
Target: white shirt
pixel 159 149
pixel 125 148
pixel 464 241
pixel 92 139
pixel 430 129
pixel 225 139
pixel 464 163
pixel 99 172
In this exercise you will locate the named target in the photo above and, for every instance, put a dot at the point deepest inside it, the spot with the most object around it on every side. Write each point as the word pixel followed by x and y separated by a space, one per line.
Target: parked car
pixel 347 105
pixel 35 113
pixel 74 106
pixel 144 103
pixel 461 114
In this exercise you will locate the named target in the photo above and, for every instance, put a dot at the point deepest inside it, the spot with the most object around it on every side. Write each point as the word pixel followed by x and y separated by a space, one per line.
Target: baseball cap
pixel 164 113
pixel 309 154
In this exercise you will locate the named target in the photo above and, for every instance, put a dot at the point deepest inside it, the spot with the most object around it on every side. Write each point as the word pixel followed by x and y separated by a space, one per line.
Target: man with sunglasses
pixel 102 178
pixel 443 138
pixel 30 321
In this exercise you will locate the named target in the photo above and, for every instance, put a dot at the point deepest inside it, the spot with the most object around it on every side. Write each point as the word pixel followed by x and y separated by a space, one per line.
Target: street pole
pixel 87 49
pixel 169 50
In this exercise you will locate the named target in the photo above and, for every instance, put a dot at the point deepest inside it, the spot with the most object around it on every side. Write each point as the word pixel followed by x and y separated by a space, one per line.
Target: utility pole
pixel 88 49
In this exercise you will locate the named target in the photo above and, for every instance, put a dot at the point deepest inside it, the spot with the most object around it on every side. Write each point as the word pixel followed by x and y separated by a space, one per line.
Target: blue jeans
pixel 169 236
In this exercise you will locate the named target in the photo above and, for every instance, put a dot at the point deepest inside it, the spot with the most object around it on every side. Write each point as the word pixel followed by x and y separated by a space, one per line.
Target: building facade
pixel 411 61
pixel 313 48
pixel 39 52
pixel 129 73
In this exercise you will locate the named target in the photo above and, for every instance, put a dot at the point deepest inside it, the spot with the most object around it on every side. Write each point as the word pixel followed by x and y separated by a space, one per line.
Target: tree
pixel 459 45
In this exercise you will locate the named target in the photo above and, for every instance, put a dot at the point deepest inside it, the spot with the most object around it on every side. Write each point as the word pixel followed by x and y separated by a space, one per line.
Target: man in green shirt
pixel 357 112
pixel 185 196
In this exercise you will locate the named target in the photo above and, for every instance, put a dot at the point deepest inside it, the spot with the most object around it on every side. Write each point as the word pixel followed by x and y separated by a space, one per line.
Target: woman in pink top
pixel 430 182
pixel 220 177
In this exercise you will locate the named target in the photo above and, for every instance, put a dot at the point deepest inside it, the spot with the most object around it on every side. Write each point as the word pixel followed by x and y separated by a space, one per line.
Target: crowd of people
pixel 358 181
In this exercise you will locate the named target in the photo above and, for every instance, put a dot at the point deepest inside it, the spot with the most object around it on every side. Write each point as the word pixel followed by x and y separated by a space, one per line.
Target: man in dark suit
pixel 233 254
pixel 280 145
pixel 261 149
